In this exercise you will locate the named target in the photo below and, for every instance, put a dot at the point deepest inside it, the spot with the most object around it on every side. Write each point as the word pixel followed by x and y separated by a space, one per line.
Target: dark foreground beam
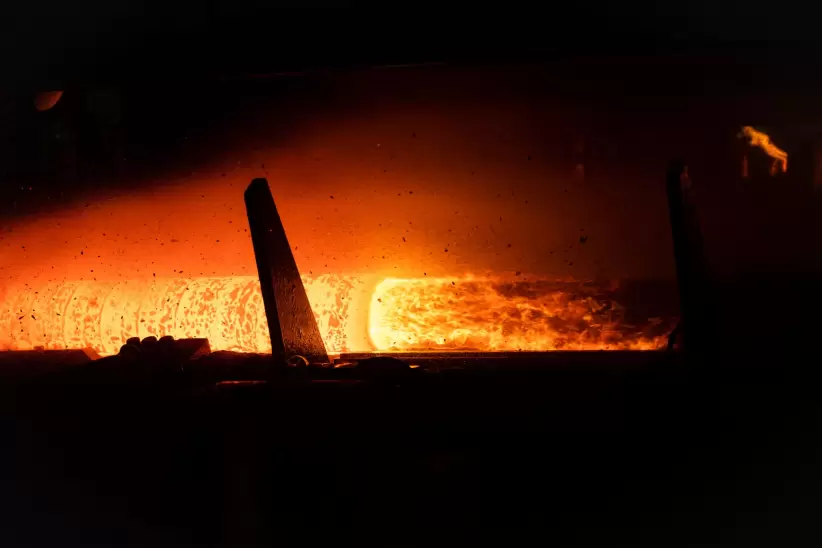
pixel 291 323
pixel 698 317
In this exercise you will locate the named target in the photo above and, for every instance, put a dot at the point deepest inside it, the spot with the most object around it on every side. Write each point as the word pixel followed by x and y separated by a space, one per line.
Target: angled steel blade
pixel 291 323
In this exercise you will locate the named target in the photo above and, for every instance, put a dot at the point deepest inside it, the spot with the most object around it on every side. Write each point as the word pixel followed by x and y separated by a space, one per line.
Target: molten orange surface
pixel 404 314
pixel 500 314
pixel 228 311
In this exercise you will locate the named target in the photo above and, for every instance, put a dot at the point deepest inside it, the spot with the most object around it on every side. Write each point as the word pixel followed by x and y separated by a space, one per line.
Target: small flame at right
pixel 762 140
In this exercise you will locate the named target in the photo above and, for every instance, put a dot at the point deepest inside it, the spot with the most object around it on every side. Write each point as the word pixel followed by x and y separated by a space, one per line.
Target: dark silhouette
pixel 291 322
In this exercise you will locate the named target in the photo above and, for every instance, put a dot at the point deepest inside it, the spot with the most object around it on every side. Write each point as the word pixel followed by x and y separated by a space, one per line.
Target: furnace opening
pixel 427 210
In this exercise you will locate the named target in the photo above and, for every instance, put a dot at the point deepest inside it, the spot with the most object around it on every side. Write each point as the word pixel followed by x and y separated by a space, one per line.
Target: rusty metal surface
pixel 291 322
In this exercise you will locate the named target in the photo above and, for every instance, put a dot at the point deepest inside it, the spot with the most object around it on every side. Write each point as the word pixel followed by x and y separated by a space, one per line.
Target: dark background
pixel 49 41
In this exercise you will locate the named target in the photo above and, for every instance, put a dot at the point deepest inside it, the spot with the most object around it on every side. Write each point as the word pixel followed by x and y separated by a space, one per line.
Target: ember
pixel 479 313
pixel 763 141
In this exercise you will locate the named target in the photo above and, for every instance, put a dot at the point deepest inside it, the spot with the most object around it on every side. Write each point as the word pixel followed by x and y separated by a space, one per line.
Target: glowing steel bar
pixel 352 313
pixel 228 311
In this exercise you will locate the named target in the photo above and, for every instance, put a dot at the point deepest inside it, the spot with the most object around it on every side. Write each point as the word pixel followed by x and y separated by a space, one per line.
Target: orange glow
pixel 46 100
pixel 497 314
pixel 763 141
pixel 228 311
pixel 404 314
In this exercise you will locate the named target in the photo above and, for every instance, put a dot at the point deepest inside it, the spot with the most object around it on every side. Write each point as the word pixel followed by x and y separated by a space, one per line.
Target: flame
pixel 396 314
pixel 493 313
pixel 763 141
